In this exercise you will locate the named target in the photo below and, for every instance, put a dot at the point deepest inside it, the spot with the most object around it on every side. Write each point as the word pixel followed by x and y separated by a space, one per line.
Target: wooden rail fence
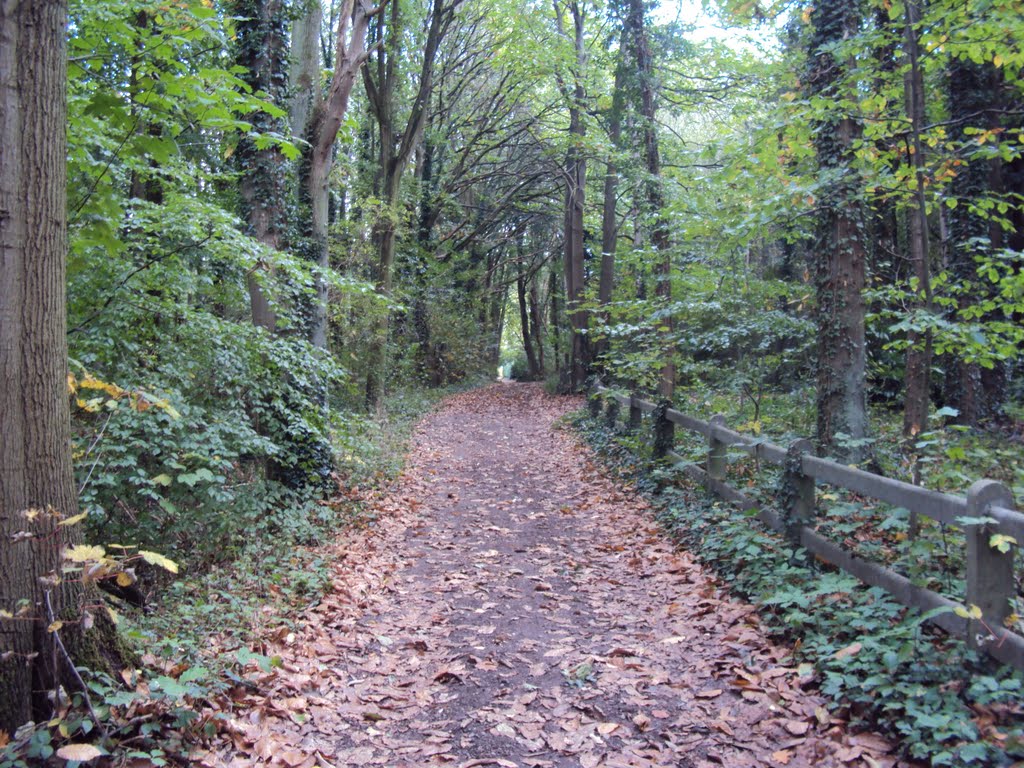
pixel 989 572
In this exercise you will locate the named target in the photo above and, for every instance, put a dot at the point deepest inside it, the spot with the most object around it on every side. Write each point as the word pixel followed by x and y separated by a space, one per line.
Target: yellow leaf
pixel 84 553
pixel 124 579
pixel 72 384
pixel 113 615
pixel 54 626
pixel 75 519
pixel 998 60
pixel 154 558
pixel 974 612
pixel 81 753
pixel 6 615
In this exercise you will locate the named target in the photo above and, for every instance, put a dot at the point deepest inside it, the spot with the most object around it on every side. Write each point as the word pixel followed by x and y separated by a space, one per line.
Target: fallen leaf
pixel 711 694
pixel 782 757
pixel 851 650
pixel 81 753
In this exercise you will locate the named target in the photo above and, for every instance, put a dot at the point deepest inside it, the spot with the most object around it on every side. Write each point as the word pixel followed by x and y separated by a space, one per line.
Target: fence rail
pixel 990 577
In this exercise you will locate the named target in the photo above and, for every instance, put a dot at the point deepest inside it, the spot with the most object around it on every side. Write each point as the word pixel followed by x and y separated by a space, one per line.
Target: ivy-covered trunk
pixel 840 265
pixel 654 194
pixel 261 40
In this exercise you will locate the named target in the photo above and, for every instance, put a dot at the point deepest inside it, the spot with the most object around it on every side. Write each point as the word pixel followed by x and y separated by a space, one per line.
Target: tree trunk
pixel 260 38
pixel 396 148
pixel 323 123
pixel 840 271
pixel 609 222
pixel 655 197
pixel 36 481
pixel 524 320
pixel 575 194
pixel 305 67
pixel 919 353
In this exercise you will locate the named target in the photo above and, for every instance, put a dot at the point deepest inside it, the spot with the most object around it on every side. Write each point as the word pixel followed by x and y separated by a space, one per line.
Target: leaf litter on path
pixel 512 607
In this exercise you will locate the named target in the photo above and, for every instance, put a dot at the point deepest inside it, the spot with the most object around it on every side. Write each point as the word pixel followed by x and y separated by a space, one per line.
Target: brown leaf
pixel 711 694
pixel 797 727
pixel 782 756
pixel 851 650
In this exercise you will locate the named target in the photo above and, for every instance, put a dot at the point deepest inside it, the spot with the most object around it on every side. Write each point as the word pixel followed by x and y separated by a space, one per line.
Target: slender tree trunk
pixel 323 123
pixel 537 326
pixel 381 81
pixel 609 222
pixel 840 273
pixel 919 354
pixel 524 320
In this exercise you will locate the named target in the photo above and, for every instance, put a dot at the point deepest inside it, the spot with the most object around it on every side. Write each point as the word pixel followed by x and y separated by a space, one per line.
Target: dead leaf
pixel 851 650
pixel 782 757
pixel 711 694
pixel 82 753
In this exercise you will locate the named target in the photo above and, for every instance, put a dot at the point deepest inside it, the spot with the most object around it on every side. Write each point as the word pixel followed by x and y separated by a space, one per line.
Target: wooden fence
pixel 989 572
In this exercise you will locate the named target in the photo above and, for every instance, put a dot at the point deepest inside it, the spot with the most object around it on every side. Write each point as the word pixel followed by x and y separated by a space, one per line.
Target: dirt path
pixel 512 608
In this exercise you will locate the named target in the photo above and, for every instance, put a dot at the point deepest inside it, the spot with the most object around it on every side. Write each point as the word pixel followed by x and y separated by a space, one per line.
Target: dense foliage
pixel 564 190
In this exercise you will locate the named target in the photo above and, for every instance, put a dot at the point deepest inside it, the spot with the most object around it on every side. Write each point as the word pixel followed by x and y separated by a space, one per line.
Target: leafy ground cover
pixel 874 658
pixel 205 626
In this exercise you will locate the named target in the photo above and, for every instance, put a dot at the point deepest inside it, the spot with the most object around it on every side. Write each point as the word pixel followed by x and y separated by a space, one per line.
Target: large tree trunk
pixel 36 481
pixel 321 130
pixel 262 50
pixel 653 192
pixel 840 272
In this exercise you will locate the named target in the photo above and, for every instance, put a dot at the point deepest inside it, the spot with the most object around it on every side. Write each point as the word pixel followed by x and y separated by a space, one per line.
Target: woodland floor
pixel 512 607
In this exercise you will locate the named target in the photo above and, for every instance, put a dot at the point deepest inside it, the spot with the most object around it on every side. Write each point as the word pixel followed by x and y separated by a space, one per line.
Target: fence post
pixel 635 414
pixel 664 430
pixel 594 399
pixel 717 461
pixel 990 582
pixel 797 491
pixel 611 415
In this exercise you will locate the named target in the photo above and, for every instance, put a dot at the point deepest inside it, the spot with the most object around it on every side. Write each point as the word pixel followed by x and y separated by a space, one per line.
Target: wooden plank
pixel 1011 522
pixel 687 422
pixel 936 505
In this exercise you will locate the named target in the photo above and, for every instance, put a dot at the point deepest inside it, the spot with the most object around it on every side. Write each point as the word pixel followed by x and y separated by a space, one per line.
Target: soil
pixel 512 607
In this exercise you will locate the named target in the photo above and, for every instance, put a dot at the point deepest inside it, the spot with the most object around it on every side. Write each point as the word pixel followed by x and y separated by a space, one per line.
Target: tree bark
pixel 840 270
pixel 36 481
pixel 919 353
pixel 654 193
pixel 395 149
pixel 262 50
pixel 575 199
pixel 321 130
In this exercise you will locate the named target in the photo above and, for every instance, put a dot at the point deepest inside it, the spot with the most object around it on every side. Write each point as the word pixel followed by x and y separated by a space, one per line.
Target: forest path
pixel 511 607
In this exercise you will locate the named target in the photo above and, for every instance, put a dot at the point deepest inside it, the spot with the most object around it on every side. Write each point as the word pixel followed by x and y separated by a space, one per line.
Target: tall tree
pixel 919 352
pixel 396 142
pixel 261 41
pixel 36 483
pixel 638 43
pixel 575 178
pixel 840 266
pixel 323 121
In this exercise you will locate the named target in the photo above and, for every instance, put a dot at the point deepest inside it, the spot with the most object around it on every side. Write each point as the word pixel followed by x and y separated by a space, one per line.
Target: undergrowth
pixel 879 662
pixel 203 630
